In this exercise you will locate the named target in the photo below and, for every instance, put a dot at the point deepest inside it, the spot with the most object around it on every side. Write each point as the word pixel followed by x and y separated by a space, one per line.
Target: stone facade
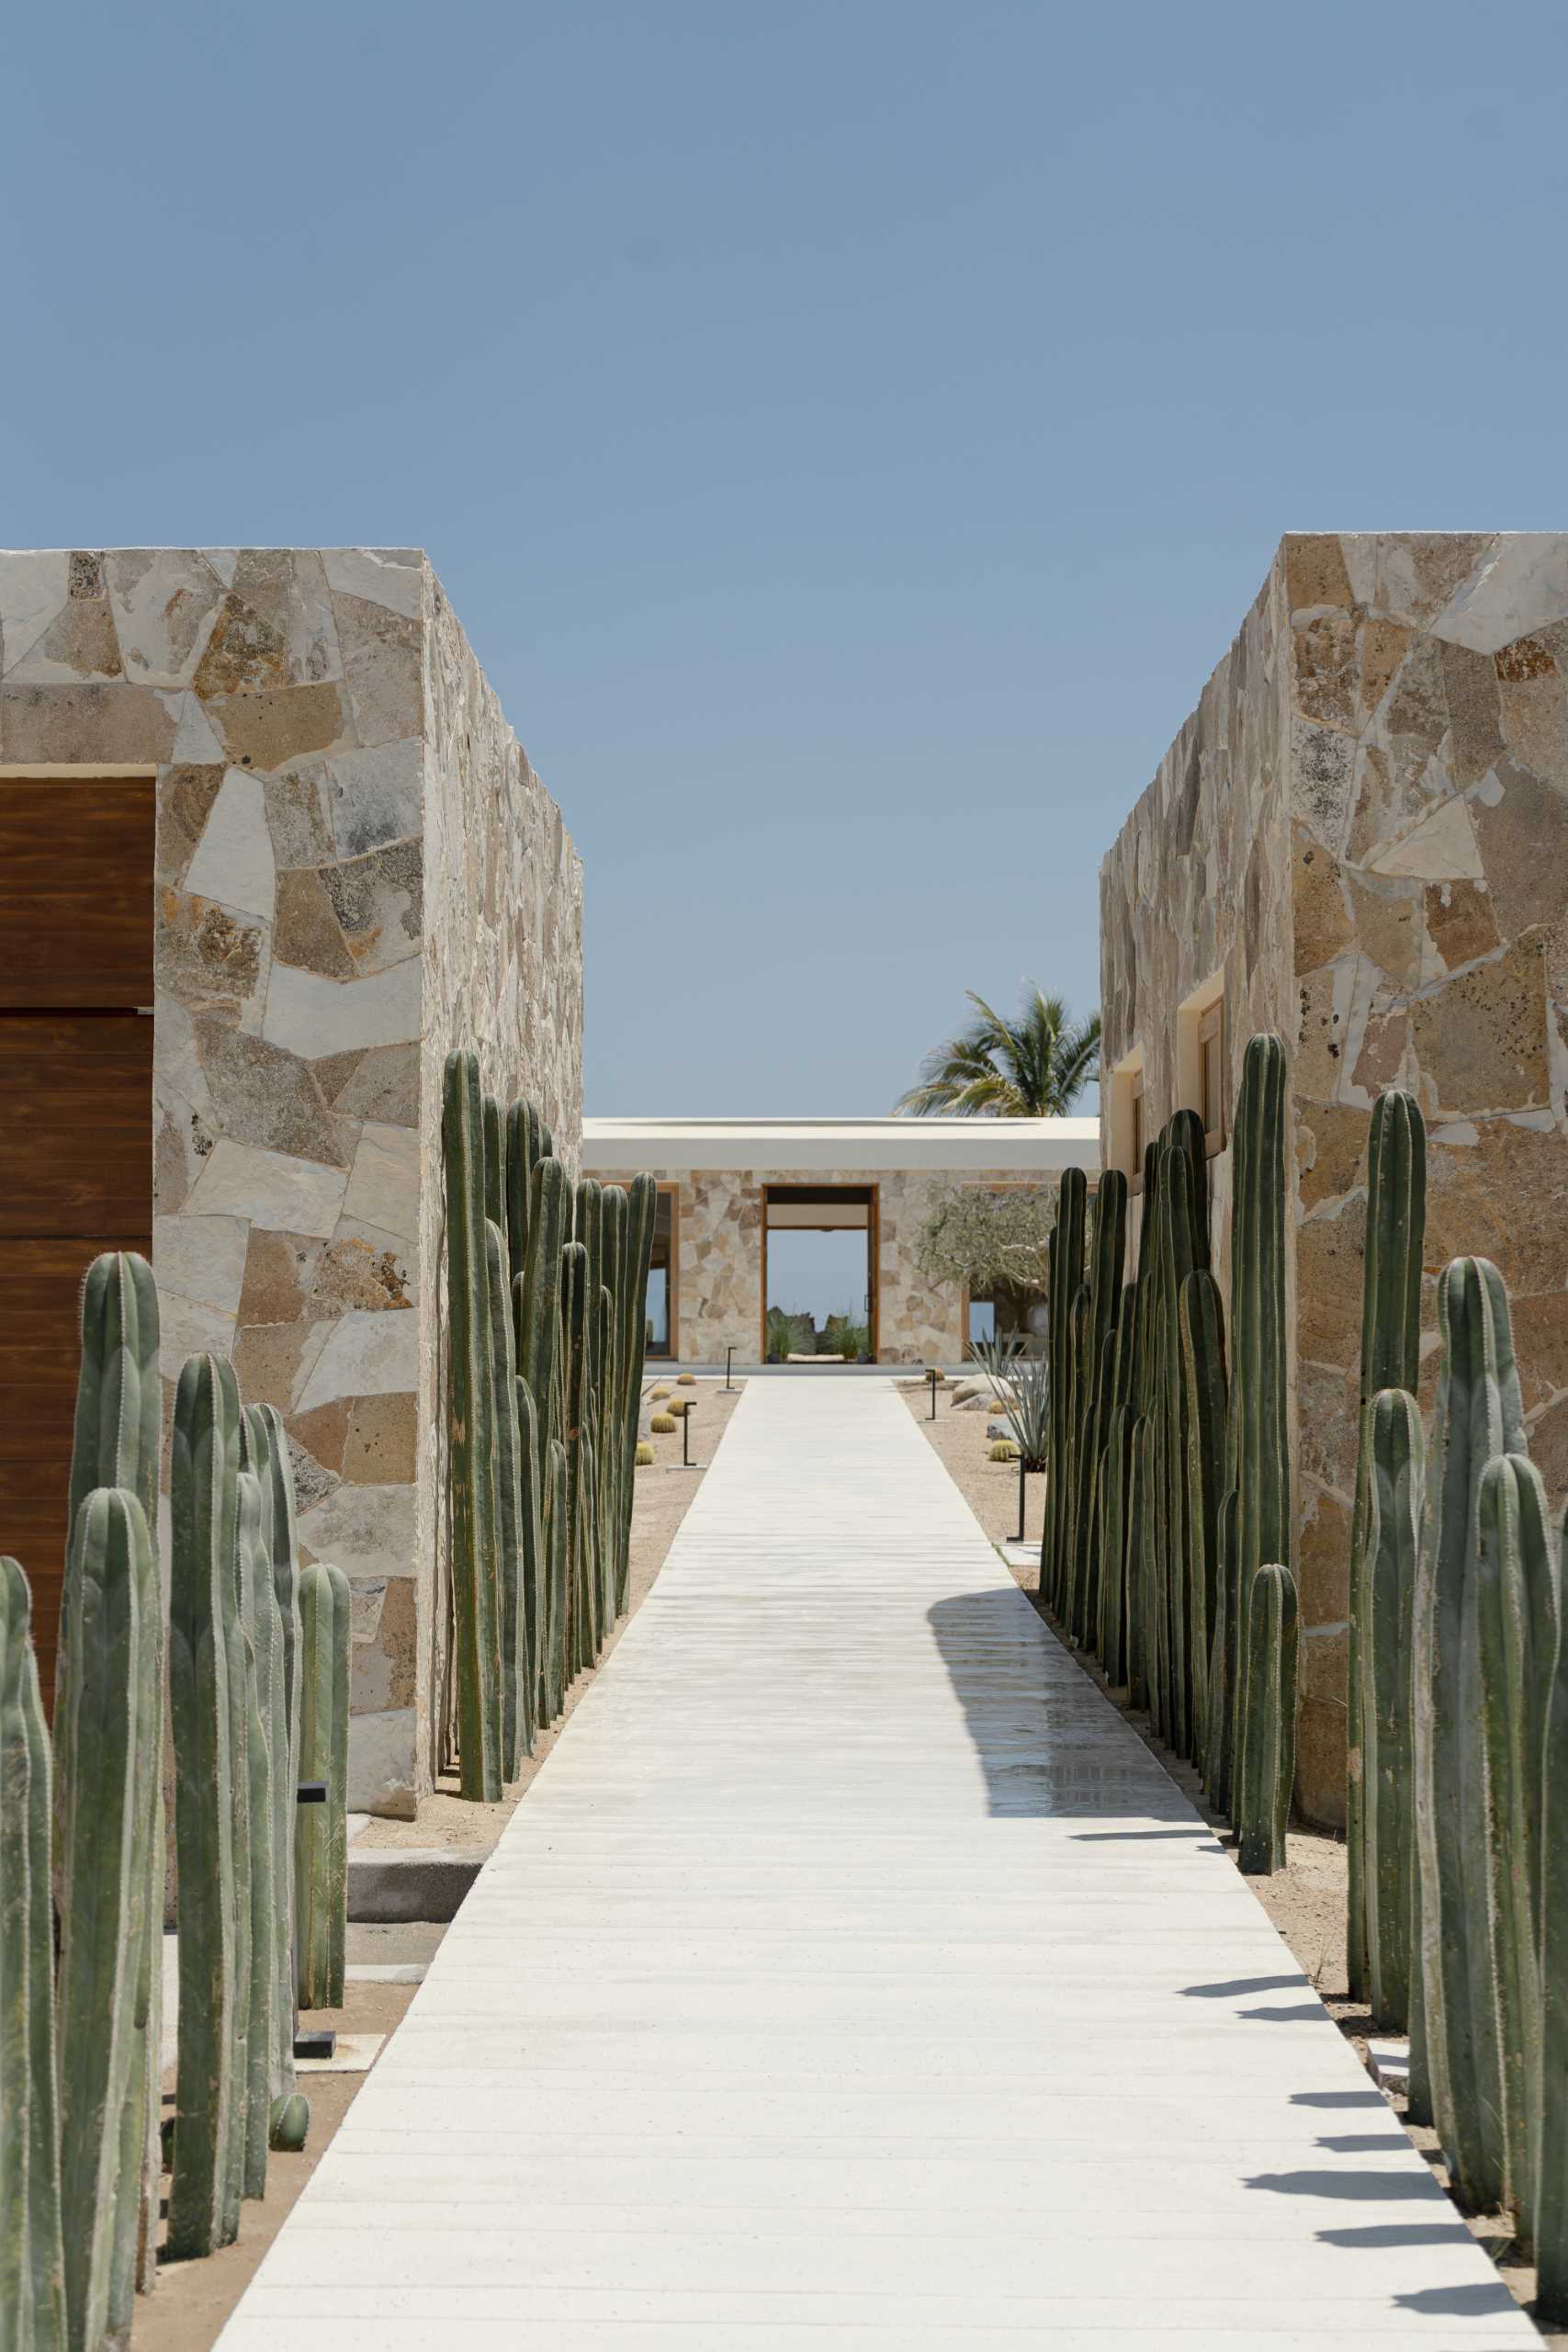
pixel 719 1274
pixel 1364 827
pixel 357 868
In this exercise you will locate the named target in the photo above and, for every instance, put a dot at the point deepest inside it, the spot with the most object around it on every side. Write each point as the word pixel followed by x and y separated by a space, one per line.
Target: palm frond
pixel 1032 1066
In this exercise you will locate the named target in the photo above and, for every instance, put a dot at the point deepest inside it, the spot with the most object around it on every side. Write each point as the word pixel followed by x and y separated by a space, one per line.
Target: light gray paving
pixel 853 1976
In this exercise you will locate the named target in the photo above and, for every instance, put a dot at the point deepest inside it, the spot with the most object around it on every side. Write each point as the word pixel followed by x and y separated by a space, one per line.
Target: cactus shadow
pixel 1396 2185
pixel 990 1642
pixel 1231 1986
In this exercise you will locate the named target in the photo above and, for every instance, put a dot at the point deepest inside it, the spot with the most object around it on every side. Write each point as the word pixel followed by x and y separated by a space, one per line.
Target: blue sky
pixel 849 432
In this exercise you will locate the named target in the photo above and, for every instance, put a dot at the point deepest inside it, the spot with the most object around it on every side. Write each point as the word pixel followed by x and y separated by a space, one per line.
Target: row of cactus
pixel 546 1286
pixel 1166 1548
pixel 83 1840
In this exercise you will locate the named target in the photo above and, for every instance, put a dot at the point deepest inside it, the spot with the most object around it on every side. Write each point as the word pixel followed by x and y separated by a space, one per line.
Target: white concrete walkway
pixel 852 1976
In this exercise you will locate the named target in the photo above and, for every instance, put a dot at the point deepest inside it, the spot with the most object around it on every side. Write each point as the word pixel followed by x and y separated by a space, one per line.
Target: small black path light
pixel 1023 1468
pixel 933 1376
pixel 686 1438
pixel 729 1362
pixel 319 2042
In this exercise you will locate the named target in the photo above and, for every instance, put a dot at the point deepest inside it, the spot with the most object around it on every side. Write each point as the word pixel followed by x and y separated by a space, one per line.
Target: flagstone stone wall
pixel 1365 824
pixel 357 869
pixel 718 1291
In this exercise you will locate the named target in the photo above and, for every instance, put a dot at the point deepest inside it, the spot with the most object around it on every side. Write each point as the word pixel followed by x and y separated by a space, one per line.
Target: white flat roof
pixel 1038 1145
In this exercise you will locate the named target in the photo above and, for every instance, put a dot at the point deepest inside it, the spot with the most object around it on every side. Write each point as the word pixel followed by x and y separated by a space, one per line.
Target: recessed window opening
pixel 660 1278
pixel 1201 1058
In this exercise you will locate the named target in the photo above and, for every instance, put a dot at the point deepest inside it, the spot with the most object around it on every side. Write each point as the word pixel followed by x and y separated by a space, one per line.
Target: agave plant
pixel 1021 1384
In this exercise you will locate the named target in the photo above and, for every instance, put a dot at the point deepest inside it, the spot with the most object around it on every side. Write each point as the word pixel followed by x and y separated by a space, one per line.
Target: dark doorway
pixel 76 1137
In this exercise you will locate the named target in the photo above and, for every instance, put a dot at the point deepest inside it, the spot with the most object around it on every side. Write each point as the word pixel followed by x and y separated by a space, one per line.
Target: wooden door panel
pixel 75 1124
pixel 77 890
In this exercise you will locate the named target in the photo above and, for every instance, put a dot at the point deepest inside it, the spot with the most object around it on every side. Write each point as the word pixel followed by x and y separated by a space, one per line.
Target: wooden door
pixel 75 1123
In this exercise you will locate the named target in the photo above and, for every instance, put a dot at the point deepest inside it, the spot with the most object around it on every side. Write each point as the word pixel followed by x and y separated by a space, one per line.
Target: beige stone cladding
pixel 355 866
pixel 1365 827
pixel 719 1274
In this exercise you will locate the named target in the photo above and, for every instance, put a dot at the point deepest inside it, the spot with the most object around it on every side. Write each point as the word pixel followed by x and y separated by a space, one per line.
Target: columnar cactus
pixel 1107 1252
pixel 1390 1350
pixel 471 1425
pixel 1268 1746
pixel 291 2113
pixel 1115 1495
pixel 574 1376
pixel 117 1441
pixel 203 1506
pixel 1143 1537
pixel 320 1838
pixel 1551 2189
pixel 1519 1614
pixel 558 1538
pixel 1203 1336
pixel 516 1696
pixel 107 1737
pixel 642 1202
pixel 32 2291
pixel 1395 1454
pixel 1478 1414
pixel 1065 1253
pixel 1259 1447
pixel 1177 1244
pixel 261 1642
pixel 1224 1664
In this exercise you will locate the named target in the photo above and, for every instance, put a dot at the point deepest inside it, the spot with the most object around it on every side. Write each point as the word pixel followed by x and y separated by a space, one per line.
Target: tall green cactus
pixel 1065 1255
pixel 1396 1486
pixel 106 1747
pixel 32 2289
pixel 1115 1490
pixel 291 2113
pixel 320 1838
pixel 1107 1252
pixel 1518 1612
pixel 1551 2171
pixel 1143 1537
pixel 516 1696
pixel 260 1646
pixel 642 1204
pixel 1202 1349
pixel 1268 1749
pixel 1222 1693
pixel 558 1536
pixel 117 1441
pixel 472 1426
pixel 1478 1414
pixel 203 1506
pixel 1391 1357
pixel 1259 1443
pixel 574 1375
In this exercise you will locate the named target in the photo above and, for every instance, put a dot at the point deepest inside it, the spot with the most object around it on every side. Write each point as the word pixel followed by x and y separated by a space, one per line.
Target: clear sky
pixel 850 433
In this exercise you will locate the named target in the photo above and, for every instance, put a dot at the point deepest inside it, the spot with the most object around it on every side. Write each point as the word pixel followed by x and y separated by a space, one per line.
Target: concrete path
pixel 852 1976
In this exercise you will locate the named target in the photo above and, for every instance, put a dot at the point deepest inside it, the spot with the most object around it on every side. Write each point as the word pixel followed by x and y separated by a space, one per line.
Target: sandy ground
pixel 1307 1900
pixel 659 1502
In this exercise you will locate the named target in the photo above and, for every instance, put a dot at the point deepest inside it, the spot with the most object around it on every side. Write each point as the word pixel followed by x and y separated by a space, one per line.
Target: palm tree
pixel 1032 1067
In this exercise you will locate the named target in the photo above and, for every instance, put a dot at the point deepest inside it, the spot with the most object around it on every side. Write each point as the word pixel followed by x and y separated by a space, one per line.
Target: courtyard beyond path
pixel 852 1976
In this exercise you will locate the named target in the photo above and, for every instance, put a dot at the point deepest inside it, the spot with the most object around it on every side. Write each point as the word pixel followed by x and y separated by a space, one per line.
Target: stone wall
pixel 502 979
pixel 1366 824
pixel 718 1282
pixel 328 757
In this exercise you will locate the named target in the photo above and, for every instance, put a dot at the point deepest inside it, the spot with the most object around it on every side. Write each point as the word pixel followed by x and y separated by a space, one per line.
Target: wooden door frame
pixel 873 1257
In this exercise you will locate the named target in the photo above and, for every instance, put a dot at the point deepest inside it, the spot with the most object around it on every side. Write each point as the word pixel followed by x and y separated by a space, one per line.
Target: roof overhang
pixel 1024 1147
